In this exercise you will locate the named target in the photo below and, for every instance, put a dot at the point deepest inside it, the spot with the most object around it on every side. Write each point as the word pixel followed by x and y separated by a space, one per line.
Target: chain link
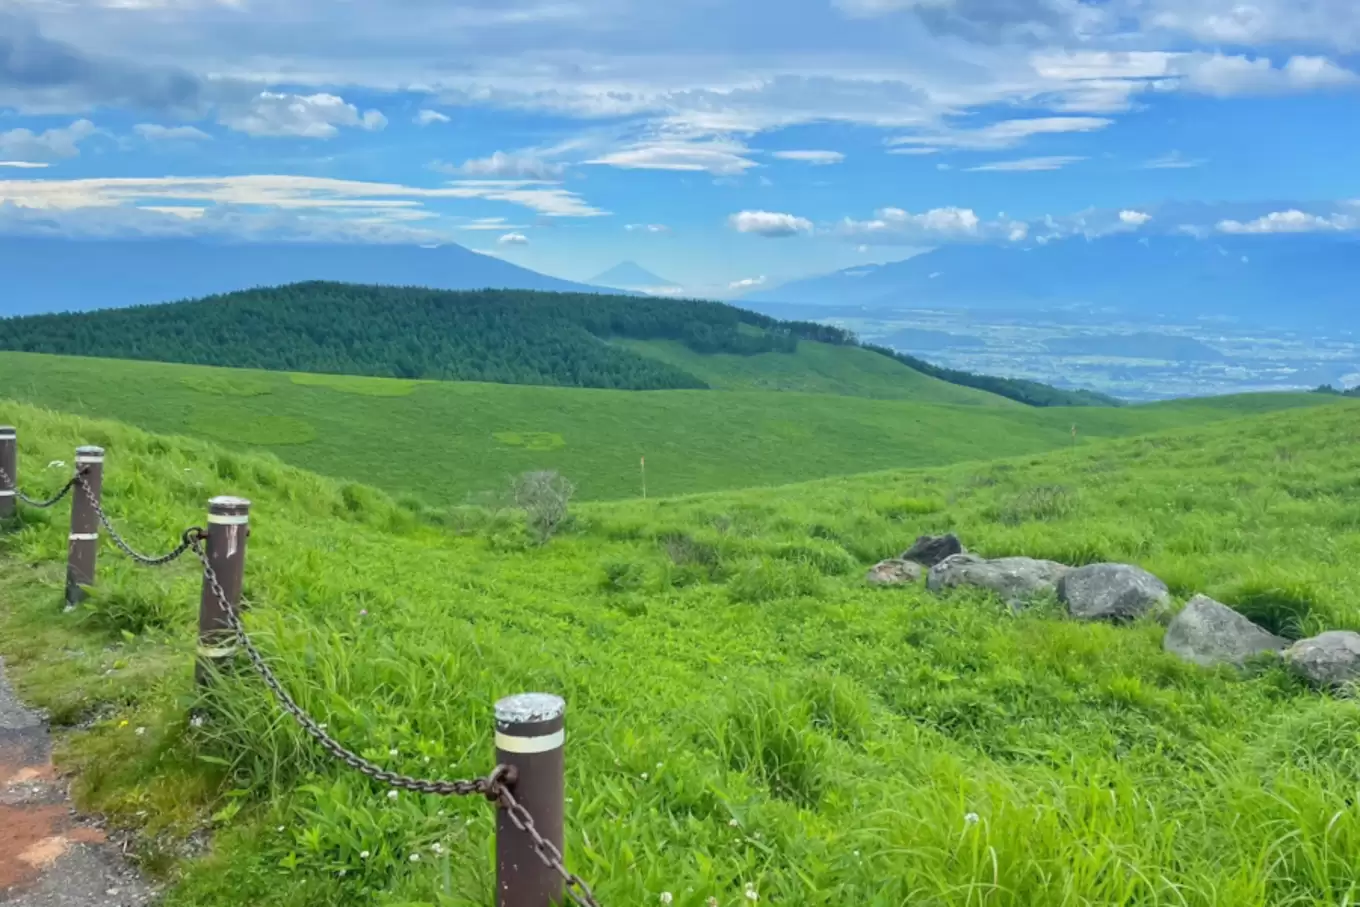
pixel 143 559
pixel 41 505
pixel 494 786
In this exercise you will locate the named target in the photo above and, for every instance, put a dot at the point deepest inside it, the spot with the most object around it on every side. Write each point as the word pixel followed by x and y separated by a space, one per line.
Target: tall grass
pixel 766 723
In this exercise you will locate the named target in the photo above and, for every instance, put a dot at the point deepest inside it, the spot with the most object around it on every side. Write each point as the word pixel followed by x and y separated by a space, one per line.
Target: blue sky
pixel 723 144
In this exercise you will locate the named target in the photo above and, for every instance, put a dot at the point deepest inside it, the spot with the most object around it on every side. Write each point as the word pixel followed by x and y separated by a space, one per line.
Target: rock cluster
pixel 1205 632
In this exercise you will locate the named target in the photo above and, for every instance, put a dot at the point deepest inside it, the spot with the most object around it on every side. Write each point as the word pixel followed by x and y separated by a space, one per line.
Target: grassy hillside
pixel 743 710
pixel 816 368
pixel 504 336
pixel 442 441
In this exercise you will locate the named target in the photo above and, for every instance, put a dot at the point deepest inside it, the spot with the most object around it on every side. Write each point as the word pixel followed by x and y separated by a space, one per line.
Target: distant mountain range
pixel 629 275
pixel 54 275
pixel 1276 280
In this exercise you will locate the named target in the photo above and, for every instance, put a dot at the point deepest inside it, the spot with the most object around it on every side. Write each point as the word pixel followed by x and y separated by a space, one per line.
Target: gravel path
pixel 49 856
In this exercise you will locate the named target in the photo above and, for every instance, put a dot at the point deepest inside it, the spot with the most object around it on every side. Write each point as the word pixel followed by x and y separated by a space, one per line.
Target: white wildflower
pixel 711 902
pixel 196 721
pixel 56 464
pixel 733 822
pixel 751 893
pixel 391 795
pixel 970 819
pixel 437 847
pixel 392 751
pixel 644 776
pixel 363 855
pixel 415 858
pixel 280 828
pixel 141 732
pixel 666 897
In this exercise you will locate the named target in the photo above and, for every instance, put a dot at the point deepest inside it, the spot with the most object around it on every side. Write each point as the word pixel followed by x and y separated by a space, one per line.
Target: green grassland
pixel 743 709
pixel 444 441
pixel 816 368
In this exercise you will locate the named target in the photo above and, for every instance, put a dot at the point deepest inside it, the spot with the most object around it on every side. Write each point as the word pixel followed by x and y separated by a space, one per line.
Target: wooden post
pixel 228 529
pixel 529 738
pixel 9 470
pixel 83 543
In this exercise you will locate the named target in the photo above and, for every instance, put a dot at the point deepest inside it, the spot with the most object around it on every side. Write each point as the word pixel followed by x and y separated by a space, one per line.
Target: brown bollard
pixel 83 542
pixel 9 470
pixel 228 529
pixel 529 738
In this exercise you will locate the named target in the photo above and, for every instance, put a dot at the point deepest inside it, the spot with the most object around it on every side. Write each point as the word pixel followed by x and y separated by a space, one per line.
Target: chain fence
pixel 495 787
pixel 50 502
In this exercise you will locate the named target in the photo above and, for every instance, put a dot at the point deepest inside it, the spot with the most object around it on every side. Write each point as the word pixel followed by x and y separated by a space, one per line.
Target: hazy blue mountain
pixel 53 275
pixel 1141 345
pixel 630 275
pixel 1280 280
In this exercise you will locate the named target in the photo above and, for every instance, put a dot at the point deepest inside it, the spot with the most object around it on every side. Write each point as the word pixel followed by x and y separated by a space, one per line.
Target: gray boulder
pixel 1329 659
pixel 894 572
pixel 931 549
pixel 1210 633
pixel 1111 592
pixel 1017 580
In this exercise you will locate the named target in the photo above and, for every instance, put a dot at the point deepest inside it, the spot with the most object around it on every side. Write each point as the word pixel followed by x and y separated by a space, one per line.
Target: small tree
pixel 544 496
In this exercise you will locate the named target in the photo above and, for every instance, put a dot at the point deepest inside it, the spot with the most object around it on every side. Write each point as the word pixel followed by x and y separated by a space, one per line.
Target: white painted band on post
pixel 228 519
pixel 548 742
pixel 89 460
pixel 84 536
pixel 216 651
pixel 7 493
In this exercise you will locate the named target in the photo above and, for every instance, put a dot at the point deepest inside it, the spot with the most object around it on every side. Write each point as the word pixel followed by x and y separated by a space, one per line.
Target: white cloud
pixel 394 201
pixel 769 223
pixel 1173 160
pixel 646 228
pixel 1331 23
pixel 155 133
pixel 24 165
pixel 720 157
pixel 811 157
pixel 429 117
pixel 1005 134
pixel 315 116
pixel 1223 75
pixel 747 283
pixel 1291 221
pixel 1055 162
pixel 1134 218
pixel 501 165
pixel 897 222
pixel 514 239
pixel 60 142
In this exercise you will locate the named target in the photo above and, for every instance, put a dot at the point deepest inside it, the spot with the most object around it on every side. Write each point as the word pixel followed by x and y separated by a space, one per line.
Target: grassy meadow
pixel 446 441
pixel 744 712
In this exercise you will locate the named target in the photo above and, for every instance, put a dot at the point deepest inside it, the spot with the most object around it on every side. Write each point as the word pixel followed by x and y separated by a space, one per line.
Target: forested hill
pixel 501 336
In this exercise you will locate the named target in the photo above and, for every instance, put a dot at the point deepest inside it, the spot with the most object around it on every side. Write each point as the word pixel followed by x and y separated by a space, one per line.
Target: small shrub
pixel 769 735
pixel 545 498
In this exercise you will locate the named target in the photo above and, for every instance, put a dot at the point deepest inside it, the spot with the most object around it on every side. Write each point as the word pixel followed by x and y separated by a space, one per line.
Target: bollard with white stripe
pixel 83 545
pixel 228 529
pixel 9 470
pixel 530 733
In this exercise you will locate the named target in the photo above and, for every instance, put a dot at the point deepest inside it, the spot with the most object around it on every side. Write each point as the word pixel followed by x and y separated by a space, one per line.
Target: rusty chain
pixel 145 560
pixel 495 786
pixel 41 505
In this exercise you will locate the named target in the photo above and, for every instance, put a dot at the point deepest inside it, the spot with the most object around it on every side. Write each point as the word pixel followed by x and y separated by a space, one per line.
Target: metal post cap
pixel 529 708
pixel 226 503
pixel 8 431
pixel 89 450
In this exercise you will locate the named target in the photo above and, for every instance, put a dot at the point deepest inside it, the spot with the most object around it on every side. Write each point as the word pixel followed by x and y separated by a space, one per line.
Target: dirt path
pixel 49 856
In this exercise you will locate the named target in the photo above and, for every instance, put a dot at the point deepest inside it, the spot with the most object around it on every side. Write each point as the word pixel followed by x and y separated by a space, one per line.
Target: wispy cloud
pixel 1005 134
pixel 721 157
pixel 315 116
pixel 430 117
pixel 58 142
pixel 505 165
pixel 1055 162
pixel 747 283
pixel 514 239
pixel 819 158
pixel 1173 160
pixel 156 133
pixel 24 165
pixel 646 228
